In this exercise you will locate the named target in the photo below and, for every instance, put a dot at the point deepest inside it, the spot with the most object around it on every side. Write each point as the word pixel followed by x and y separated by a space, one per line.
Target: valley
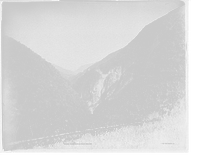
pixel 141 82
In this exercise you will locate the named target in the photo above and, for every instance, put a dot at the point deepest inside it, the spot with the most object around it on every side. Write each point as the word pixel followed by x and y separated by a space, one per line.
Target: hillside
pixel 167 134
pixel 146 76
pixel 37 100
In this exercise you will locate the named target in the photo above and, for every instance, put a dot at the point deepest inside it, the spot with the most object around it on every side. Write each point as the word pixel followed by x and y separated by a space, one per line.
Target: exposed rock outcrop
pixel 103 89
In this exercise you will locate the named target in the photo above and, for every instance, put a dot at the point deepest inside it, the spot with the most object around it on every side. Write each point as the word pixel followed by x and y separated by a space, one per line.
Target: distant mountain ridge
pixel 61 69
pixel 64 72
pixel 146 76
pixel 70 75
pixel 83 68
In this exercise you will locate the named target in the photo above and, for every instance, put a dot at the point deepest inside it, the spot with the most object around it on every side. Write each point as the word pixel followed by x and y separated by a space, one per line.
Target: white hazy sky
pixel 74 34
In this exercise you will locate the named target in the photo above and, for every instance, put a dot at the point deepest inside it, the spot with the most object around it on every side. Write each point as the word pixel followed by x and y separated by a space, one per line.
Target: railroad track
pixel 70 135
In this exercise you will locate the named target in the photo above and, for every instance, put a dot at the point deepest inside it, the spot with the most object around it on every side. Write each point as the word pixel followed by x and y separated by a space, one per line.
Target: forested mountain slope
pixel 146 76
pixel 37 100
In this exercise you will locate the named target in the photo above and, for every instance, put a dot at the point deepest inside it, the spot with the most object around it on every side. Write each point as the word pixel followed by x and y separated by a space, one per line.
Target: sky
pixel 73 34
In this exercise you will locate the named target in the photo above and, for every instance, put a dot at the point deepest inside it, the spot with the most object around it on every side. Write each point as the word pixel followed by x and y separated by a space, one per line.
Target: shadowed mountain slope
pixel 37 100
pixel 147 76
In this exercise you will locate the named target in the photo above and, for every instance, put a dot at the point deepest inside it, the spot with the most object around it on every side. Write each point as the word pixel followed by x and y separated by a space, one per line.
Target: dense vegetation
pixel 144 97
pixel 36 95
pixel 168 133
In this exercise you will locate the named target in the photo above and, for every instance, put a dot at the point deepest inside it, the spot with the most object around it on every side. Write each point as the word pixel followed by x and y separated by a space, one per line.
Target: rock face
pixel 147 76
pixel 102 88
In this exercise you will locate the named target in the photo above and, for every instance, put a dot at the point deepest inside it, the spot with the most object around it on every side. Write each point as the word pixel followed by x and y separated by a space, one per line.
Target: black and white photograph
pixel 94 76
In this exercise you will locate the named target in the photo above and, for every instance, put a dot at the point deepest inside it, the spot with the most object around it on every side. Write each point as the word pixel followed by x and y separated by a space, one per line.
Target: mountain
pixel 147 76
pixel 78 73
pixel 82 68
pixel 37 100
pixel 71 76
pixel 67 74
